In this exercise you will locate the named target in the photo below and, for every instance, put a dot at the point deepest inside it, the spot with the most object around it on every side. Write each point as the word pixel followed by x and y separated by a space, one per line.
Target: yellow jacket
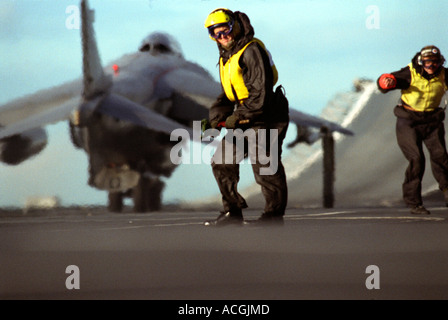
pixel 232 75
pixel 424 94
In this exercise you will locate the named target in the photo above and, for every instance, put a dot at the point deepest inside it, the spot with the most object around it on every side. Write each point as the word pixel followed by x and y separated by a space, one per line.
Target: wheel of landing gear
pixel 147 195
pixel 115 202
pixel 140 195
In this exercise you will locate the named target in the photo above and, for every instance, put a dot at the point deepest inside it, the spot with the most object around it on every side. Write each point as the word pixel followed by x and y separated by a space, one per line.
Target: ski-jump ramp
pixel 369 166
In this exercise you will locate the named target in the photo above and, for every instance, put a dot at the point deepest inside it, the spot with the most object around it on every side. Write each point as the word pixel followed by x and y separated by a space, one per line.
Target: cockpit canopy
pixel 160 43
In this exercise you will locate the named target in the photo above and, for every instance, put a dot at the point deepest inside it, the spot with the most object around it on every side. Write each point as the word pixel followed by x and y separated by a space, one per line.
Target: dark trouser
pixel 410 137
pixel 270 176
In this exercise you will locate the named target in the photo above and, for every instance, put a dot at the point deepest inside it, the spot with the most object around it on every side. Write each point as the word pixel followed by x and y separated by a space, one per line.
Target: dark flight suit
pixel 420 120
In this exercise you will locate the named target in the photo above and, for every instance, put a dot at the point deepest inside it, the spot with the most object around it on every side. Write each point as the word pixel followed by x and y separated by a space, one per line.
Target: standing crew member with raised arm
pixel 423 82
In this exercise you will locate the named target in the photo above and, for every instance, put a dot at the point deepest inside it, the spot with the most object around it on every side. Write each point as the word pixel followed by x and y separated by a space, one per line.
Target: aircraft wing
pixel 39 109
pixel 308 120
pixel 124 109
pixel 195 84
pixel 36 103
pixel 38 120
pixel 22 120
pixel 303 121
pixel 193 92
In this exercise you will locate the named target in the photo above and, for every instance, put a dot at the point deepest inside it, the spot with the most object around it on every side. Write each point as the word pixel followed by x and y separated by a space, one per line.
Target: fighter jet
pixel 122 116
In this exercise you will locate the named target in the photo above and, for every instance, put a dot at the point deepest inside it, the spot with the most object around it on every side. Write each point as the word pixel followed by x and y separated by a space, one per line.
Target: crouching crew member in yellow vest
pixel 420 115
pixel 248 102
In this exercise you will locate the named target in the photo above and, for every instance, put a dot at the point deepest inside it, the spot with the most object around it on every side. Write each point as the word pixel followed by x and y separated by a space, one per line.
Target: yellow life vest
pixel 232 75
pixel 424 94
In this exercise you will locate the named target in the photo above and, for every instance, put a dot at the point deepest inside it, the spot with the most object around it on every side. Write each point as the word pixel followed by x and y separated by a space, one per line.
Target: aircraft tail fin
pixel 95 81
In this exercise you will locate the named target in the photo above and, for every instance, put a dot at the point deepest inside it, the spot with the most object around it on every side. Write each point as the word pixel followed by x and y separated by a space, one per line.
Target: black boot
pixel 226 218
pixel 267 219
pixel 419 210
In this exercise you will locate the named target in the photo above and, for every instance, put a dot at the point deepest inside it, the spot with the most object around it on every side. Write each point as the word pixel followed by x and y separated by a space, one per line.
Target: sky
pixel 319 48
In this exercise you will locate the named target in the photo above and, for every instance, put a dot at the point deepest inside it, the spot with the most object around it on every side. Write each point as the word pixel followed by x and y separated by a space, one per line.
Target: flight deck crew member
pixel 423 83
pixel 247 102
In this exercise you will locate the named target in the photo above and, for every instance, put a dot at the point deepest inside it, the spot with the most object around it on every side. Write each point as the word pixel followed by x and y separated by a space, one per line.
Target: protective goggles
pixel 218 35
pixel 429 62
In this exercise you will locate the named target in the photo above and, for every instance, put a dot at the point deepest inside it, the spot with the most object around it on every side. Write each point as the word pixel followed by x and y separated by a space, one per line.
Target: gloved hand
pixel 214 124
pixel 232 122
pixel 387 81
